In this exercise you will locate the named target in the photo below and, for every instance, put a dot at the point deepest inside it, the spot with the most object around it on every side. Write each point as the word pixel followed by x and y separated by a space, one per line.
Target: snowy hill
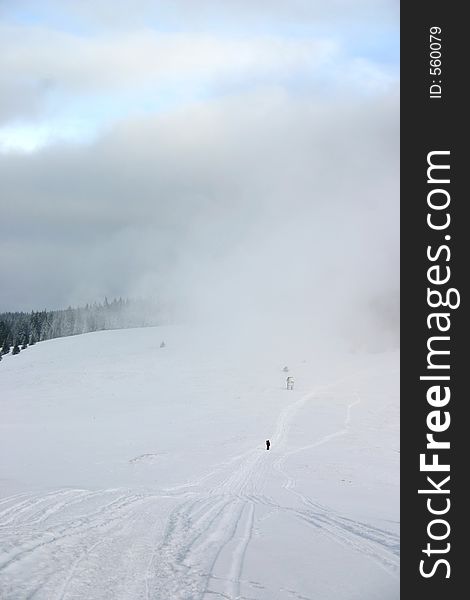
pixel 131 471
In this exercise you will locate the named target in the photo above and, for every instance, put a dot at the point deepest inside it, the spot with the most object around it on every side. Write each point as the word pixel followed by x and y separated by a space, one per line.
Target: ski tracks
pixel 380 545
pixel 236 569
pixel 87 549
pixel 190 545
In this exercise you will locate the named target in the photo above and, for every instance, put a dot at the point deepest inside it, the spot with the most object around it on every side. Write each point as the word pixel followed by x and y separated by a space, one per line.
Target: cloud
pixel 53 66
pixel 239 205
pixel 206 13
pixel 117 60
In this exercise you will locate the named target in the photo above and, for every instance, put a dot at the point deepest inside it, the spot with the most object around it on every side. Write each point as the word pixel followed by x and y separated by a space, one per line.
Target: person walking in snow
pixel 268 443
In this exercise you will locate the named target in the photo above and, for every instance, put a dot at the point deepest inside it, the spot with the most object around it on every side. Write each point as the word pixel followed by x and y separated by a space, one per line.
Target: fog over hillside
pixel 258 205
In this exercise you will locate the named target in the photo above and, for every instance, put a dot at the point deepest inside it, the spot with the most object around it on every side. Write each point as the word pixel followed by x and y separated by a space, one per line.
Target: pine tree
pixel 3 334
pixel 6 344
pixel 16 349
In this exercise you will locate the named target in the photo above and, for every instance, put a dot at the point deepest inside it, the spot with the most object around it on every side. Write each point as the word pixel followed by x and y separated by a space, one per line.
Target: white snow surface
pixel 130 471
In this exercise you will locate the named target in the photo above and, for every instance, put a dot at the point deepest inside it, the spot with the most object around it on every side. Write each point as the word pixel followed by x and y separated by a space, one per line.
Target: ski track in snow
pixel 380 545
pixel 173 544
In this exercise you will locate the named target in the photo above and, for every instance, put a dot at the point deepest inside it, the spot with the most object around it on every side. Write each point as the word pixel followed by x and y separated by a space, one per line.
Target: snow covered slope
pixel 130 471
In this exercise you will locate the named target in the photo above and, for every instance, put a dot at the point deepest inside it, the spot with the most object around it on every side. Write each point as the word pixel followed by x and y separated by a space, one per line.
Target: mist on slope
pixel 240 214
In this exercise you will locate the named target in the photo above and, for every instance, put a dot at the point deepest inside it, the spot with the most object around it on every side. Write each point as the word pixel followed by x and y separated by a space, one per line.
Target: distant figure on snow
pixel 162 345
pixel 286 369
pixel 290 383
pixel 268 443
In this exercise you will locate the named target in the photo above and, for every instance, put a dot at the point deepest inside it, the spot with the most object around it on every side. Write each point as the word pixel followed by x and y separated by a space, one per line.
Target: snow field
pixel 131 471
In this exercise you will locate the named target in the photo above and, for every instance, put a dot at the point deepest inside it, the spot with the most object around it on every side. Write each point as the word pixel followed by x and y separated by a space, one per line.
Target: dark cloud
pixel 236 205
pixel 19 99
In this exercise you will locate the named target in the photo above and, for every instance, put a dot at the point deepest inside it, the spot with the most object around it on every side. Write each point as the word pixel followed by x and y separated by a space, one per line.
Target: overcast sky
pixel 236 156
